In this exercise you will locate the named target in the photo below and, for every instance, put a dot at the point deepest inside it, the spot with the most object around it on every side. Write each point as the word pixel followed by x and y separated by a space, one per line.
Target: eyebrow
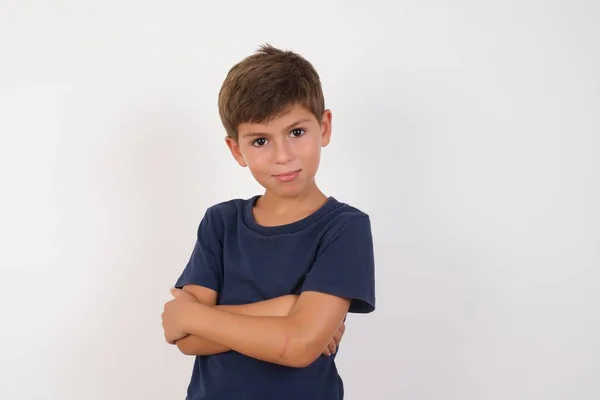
pixel 287 128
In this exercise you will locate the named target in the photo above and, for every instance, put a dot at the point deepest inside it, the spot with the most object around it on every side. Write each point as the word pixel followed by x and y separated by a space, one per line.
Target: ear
pixel 326 128
pixel 234 147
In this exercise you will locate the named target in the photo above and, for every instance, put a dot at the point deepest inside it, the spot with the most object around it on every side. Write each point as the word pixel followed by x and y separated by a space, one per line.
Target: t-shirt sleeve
pixel 203 268
pixel 345 266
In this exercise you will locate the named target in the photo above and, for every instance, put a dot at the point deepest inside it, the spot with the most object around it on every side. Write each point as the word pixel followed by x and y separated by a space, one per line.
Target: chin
pixel 288 191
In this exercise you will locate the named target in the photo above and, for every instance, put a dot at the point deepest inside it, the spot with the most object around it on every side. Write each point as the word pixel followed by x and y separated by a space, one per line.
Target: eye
pixel 259 142
pixel 298 132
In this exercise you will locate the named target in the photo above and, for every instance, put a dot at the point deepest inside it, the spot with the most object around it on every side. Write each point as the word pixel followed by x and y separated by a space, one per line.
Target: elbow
pixel 299 352
pixel 305 358
pixel 302 362
pixel 297 361
pixel 185 348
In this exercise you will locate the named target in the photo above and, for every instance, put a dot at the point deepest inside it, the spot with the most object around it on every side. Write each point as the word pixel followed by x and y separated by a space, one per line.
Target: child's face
pixel 283 154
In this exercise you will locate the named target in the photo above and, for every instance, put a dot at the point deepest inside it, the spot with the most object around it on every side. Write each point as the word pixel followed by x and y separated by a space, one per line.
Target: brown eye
pixel 259 142
pixel 298 132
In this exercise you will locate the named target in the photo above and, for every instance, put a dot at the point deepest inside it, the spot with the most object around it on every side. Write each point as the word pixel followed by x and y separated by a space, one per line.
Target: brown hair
pixel 267 84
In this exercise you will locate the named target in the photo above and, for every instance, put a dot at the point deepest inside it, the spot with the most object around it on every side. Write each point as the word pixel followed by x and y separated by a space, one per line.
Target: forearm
pixel 276 339
pixel 277 307
pixel 198 345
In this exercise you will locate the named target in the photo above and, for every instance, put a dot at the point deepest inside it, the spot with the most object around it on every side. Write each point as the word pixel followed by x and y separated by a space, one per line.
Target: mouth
pixel 288 173
pixel 287 176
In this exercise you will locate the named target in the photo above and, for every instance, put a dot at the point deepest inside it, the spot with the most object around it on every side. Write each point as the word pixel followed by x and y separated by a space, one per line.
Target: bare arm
pixel 277 307
pixel 196 345
pixel 295 340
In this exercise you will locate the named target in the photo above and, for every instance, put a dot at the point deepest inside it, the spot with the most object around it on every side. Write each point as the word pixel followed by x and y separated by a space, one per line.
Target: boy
pixel 263 299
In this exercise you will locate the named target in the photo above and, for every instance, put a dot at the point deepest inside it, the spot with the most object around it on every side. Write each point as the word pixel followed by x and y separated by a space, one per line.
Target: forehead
pixel 278 123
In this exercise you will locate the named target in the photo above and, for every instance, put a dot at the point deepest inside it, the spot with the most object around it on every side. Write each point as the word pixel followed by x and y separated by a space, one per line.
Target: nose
pixel 283 152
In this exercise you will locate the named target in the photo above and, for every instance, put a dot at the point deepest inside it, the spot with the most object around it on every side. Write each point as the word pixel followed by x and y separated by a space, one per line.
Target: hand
pixel 335 341
pixel 182 294
pixel 174 315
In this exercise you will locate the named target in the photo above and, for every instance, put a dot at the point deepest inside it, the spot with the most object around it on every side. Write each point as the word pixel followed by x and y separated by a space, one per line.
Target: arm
pixel 295 340
pixel 340 280
pixel 277 307
pixel 195 345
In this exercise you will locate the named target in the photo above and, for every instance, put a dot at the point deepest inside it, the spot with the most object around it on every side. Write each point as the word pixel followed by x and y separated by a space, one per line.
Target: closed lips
pixel 288 173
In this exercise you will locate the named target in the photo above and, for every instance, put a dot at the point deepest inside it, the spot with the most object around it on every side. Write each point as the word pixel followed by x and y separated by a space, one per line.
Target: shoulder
pixel 220 215
pixel 345 213
pixel 346 219
pixel 226 209
pixel 349 211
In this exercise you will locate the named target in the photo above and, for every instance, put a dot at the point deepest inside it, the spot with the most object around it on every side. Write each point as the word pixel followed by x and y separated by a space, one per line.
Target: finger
pixel 342 328
pixel 170 338
pixel 179 294
pixel 332 346
pixel 337 338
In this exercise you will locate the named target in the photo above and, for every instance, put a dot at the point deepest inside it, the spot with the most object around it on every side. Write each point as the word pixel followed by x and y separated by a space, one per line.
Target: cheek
pixel 310 151
pixel 257 160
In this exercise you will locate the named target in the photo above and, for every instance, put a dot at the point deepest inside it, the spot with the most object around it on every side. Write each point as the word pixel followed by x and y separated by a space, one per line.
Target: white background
pixel 468 131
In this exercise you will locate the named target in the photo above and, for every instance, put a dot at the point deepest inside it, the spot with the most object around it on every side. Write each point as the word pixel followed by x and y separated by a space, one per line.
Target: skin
pixel 292 141
pixel 297 336
pixel 280 306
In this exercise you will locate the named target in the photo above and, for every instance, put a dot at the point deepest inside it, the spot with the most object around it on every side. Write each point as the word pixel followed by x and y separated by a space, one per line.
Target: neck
pixel 311 198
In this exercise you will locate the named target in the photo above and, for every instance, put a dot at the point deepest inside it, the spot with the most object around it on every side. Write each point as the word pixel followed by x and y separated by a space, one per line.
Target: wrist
pixel 193 316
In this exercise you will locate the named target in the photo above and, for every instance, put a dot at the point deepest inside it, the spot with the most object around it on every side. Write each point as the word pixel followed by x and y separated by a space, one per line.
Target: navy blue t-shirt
pixel 330 251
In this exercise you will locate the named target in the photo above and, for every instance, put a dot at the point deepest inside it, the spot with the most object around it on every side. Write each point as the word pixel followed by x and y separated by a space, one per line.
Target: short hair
pixel 266 84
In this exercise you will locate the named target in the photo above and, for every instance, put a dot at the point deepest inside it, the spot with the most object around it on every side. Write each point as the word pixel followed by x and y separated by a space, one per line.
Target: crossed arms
pixel 288 330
